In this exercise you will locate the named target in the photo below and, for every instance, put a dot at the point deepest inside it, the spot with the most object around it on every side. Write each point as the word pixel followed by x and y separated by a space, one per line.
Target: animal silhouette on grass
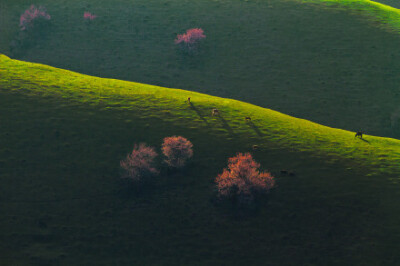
pixel 215 112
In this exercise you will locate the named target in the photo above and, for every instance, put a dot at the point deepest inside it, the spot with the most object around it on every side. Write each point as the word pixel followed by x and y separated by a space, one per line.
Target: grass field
pixel 384 13
pixel 325 63
pixel 63 202
pixel 393 3
pixel 62 134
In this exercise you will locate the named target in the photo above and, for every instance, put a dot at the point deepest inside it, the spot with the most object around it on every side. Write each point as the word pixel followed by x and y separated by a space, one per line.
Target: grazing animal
pixel 284 172
pixel 188 99
pixel 292 173
pixel 255 147
pixel 359 134
pixel 214 112
pixel 247 118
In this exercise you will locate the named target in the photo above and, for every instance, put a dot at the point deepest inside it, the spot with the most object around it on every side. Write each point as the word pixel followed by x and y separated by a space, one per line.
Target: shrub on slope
pixel 139 164
pixel 242 180
pixel 177 151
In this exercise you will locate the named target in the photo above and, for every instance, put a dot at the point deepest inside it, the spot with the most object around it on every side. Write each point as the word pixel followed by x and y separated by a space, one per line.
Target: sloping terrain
pixel 334 64
pixel 63 134
pixel 392 3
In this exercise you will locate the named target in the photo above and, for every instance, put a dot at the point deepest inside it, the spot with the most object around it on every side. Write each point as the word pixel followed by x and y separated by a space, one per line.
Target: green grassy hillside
pixel 392 3
pixel 384 13
pixel 63 134
pixel 332 64
pixel 171 105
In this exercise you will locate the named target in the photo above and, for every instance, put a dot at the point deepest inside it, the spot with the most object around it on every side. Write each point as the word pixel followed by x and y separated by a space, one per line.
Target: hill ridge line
pixel 386 14
pixel 269 127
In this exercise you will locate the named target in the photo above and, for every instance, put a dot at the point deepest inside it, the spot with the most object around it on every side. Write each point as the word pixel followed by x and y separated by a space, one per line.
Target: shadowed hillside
pixel 64 203
pixel 332 64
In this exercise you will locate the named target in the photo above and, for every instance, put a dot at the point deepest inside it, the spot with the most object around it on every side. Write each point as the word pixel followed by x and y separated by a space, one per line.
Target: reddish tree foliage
pixel 191 38
pixel 242 178
pixel 89 16
pixel 139 163
pixel 177 150
pixel 28 18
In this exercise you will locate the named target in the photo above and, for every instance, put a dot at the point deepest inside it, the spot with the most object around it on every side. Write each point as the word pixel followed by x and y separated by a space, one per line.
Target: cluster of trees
pixel 140 163
pixel 34 16
pixel 241 181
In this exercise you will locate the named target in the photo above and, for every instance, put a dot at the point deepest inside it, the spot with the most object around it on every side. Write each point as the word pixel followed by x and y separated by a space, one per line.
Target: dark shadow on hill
pixel 194 58
pixel 255 128
pixel 235 209
pixel 130 189
pixel 364 140
pixel 25 40
pixel 226 125
pixel 198 113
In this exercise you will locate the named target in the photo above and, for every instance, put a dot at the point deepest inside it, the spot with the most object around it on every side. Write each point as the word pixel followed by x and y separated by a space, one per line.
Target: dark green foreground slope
pixel 62 201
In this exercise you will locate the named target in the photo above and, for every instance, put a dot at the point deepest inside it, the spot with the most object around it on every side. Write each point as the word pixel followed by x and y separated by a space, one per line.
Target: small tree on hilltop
pixel 177 150
pixel 139 163
pixel 34 23
pixel 33 16
pixel 89 16
pixel 242 179
pixel 190 40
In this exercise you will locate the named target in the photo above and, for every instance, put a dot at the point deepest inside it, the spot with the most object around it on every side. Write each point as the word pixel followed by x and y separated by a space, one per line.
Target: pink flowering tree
pixel 139 164
pixel 191 39
pixel 33 16
pixel 89 16
pixel 242 179
pixel 177 151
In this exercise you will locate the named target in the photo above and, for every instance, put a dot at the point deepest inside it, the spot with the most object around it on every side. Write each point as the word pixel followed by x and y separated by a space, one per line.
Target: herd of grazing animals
pixel 216 112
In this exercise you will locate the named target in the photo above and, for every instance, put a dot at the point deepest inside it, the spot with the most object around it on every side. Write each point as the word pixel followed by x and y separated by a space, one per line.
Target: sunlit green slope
pixel 62 135
pixel 146 101
pixel 385 15
pixel 326 63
